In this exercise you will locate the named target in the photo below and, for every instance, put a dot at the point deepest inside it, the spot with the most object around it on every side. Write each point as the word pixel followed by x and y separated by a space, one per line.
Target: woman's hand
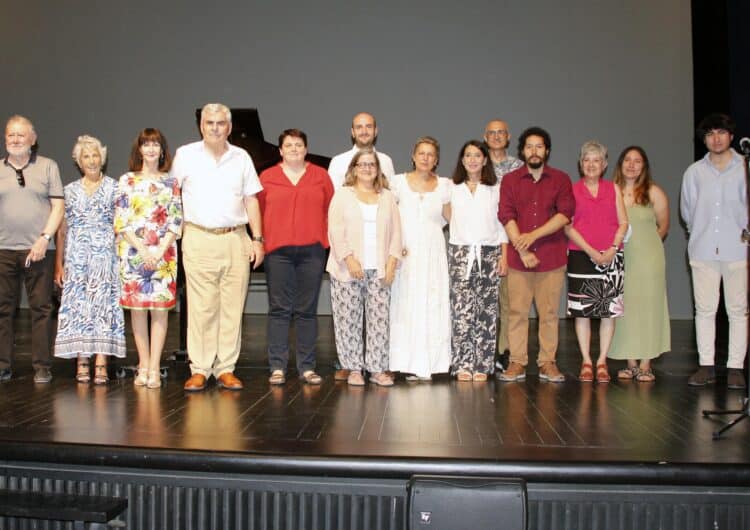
pixel 502 265
pixel 607 256
pixel 354 267
pixel 390 270
pixel 148 256
pixel 59 275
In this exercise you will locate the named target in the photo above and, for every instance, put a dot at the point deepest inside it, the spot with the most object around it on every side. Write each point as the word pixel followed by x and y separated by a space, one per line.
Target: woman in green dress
pixel 643 333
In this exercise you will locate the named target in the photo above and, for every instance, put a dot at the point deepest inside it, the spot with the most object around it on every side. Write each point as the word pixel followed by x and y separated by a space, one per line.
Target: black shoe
pixel 704 376
pixel 42 375
pixel 5 374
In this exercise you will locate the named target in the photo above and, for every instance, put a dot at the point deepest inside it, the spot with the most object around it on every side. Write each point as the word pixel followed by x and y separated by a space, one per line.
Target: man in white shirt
pixel 364 134
pixel 219 186
pixel 713 204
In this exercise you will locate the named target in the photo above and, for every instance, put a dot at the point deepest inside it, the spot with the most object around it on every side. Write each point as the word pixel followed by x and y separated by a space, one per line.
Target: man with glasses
pixel 31 208
pixel 364 134
pixel 713 204
pixel 497 138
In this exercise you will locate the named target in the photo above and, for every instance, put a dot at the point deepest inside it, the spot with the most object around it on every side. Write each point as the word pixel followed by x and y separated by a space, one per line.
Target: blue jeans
pixel 293 274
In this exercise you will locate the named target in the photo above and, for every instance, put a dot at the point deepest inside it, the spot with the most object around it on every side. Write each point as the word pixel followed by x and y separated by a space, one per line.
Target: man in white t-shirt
pixel 364 134
pixel 219 186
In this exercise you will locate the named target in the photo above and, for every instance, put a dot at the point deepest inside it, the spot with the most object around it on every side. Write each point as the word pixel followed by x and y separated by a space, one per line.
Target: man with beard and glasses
pixel 364 134
pixel 713 203
pixel 31 208
pixel 497 139
pixel 536 202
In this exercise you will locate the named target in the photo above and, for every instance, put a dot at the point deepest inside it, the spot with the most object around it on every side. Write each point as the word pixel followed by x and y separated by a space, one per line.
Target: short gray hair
pixel 216 108
pixel 88 142
pixel 592 146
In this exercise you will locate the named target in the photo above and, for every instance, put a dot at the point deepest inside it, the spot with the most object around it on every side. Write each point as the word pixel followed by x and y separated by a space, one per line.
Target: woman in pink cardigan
pixel 364 230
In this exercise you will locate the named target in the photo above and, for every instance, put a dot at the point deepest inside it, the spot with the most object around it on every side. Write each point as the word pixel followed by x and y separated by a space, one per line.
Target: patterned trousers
pixel 349 300
pixel 473 308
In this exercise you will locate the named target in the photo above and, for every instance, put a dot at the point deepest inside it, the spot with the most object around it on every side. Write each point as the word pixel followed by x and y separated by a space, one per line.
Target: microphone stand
pixel 744 412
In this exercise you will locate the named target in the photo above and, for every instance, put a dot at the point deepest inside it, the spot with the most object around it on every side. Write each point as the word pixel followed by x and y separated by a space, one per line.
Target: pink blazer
pixel 345 231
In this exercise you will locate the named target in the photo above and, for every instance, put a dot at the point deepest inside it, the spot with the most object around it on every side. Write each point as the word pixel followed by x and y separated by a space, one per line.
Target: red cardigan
pixel 295 215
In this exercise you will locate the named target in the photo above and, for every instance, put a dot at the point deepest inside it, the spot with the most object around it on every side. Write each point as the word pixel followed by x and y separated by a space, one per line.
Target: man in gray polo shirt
pixel 31 208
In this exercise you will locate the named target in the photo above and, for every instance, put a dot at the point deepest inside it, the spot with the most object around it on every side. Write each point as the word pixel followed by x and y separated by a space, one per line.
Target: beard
pixel 535 162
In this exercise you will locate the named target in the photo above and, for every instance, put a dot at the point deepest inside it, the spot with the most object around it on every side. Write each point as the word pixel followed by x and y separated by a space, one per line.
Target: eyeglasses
pixel 499 132
pixel 366 165
pixel 19 178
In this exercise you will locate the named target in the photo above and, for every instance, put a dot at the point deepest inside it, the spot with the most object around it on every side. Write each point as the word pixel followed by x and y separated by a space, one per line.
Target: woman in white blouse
pixel 476 261
pixel 364 229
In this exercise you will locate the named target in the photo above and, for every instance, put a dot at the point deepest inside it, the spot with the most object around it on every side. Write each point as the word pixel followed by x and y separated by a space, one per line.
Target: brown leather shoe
pixel 196 383
pixel 341 375
pixel 229 381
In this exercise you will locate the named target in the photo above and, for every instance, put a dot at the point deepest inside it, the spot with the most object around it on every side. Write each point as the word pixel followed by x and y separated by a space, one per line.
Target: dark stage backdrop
pixel 617 71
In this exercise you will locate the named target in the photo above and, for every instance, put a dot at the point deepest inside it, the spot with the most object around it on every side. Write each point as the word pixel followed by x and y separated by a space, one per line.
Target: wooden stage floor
pixel 532 422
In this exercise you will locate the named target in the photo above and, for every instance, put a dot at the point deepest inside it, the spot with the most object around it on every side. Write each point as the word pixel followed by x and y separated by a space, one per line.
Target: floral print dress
pixel 150 208
pixel 90 319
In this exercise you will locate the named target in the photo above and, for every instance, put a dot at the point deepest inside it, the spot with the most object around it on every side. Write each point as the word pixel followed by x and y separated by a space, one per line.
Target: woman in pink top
pixel 595 258
pixel 364 229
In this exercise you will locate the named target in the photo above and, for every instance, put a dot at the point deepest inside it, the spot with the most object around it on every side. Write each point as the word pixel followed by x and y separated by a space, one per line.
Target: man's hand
pixel 529 259
pixel 38 250
pixel 524 241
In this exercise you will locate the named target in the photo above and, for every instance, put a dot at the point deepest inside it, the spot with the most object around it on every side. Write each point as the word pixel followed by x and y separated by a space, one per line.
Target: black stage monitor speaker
pixel 439 502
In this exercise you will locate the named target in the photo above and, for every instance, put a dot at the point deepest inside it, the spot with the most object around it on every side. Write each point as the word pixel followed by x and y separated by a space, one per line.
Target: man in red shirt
pixel 536 202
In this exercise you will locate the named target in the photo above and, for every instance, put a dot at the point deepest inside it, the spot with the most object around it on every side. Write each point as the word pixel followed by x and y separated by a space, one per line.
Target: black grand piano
pixel 247 133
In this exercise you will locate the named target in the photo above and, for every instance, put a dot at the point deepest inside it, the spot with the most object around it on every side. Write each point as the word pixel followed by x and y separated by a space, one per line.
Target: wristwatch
pixel 46 236
pixel 259 239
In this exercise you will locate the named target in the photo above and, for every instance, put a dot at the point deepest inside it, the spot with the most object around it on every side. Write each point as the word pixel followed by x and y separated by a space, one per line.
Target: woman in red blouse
pixel 294 203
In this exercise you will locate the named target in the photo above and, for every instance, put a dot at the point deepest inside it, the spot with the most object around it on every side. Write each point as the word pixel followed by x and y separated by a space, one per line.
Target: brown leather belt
pixel 215 231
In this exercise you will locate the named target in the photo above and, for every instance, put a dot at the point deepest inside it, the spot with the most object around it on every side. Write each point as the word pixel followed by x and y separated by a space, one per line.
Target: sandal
pixel 381 379
pixel 463 375
pixel 82 371
pixel 587 373
pixel 602 374
pixel 645 376
pixel 631 372
pixel 277 377
pixel 154 379
pixel 355 378
pixel 141 377
pixel 100 374
pixel 480 377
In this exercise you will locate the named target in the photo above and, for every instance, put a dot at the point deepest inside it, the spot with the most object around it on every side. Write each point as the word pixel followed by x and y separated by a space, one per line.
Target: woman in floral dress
pixel 90 320
pixel 148 222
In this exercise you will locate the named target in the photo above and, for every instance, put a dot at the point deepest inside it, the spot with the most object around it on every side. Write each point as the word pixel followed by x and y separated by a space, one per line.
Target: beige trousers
pixel 217 272
pixel 543 288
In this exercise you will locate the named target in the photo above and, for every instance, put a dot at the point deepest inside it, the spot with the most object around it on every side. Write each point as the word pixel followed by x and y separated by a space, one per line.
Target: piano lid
pixel 247 133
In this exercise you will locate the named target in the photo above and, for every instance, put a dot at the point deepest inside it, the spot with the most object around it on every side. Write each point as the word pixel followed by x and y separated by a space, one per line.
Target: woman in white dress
pixel 420 342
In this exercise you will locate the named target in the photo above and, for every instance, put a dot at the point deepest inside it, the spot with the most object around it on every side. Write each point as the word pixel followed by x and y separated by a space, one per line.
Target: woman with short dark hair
pixel 148 222
pixel 294 204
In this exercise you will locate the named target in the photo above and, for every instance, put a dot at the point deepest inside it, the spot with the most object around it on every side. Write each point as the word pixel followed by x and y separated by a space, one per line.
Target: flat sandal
pixel 82 372
pixel 100 374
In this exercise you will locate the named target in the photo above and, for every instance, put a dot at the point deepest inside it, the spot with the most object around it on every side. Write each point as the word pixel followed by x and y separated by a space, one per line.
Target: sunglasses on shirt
pixel 19 178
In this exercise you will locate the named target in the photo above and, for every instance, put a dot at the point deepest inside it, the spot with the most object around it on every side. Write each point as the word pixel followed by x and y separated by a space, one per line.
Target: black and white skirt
pixel 594 291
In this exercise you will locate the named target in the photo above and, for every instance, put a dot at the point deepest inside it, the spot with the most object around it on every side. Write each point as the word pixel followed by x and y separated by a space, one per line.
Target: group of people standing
pixel 516 227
